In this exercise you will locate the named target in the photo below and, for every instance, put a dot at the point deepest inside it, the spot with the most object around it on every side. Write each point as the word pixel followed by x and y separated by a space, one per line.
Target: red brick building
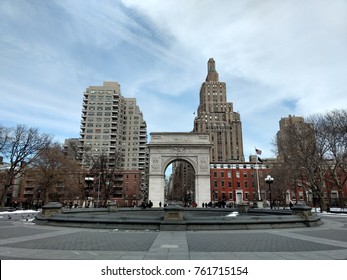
pixel 125 189
pixel 237 183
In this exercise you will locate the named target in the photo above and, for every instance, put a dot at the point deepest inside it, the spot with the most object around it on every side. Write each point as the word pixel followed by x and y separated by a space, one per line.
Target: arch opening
pixel 179 183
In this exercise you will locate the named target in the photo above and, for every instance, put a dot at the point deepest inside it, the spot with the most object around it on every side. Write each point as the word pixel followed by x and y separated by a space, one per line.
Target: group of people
pixel 145 205
pixel 219 204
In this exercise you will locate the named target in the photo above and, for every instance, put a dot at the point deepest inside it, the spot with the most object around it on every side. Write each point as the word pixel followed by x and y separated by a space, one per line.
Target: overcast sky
pixel 276 57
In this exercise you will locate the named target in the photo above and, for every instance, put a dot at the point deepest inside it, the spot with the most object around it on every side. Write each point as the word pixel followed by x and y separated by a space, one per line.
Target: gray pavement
pixel 22 239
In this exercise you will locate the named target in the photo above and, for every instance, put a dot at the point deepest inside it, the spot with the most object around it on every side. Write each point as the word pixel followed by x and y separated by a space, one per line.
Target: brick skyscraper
pixel 216 116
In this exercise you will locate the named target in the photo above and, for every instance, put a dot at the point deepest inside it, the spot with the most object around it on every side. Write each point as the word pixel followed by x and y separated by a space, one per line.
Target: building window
pixel 229 184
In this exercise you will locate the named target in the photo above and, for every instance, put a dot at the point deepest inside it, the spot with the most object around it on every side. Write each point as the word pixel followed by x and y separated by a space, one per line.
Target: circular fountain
pixel 174 218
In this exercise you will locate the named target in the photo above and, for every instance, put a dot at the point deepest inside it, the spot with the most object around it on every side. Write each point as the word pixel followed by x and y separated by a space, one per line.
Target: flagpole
pixel 257 170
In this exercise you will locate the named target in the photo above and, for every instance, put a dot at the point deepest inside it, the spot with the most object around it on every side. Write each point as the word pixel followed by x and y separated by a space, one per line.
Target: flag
pixel 260 160
pixel 258 151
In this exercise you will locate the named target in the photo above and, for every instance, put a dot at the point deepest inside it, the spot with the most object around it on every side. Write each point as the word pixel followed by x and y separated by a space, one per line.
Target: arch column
pixel 156 192
pixel 202 189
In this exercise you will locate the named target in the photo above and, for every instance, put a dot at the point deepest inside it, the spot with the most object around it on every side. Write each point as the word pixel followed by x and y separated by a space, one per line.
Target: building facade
pixel 237 183
pixel 216 117
pixel 113 126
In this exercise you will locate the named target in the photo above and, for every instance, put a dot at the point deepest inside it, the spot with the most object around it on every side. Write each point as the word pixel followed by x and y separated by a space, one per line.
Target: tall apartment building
pixel 290 120
pixel 286 136
pixel 113 124
pixel 216 116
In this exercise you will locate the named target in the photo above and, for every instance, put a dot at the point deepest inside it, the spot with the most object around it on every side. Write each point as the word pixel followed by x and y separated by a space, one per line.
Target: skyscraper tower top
pixel 216 116
pixel 212 74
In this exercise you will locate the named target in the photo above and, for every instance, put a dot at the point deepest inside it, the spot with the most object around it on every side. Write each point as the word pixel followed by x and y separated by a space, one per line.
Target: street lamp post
pixel 98 190
pixel 269 180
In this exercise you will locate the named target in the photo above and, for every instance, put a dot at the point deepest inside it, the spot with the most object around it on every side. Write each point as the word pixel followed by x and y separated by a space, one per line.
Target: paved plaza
pixel 22 239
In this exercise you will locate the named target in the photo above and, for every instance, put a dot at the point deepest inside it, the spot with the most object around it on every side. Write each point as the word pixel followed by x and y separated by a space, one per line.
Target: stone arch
pixel 166 147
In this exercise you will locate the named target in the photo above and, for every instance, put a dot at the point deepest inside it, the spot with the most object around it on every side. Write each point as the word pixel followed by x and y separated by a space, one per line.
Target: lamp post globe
pixel 269 180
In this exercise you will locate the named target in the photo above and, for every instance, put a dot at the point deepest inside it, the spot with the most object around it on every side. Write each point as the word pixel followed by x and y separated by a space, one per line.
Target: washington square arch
pixel 167 147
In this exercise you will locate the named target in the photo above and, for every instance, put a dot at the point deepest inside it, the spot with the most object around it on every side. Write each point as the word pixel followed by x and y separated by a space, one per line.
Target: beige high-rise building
pixel 113 125
pixel 292 129
pixel 216 116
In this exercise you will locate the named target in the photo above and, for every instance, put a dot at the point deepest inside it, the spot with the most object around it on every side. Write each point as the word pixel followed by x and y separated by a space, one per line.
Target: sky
pixel 277 58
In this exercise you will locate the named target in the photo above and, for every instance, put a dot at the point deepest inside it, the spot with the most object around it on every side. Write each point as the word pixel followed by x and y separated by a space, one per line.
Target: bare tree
pixel 317 151
pixel 57 175
pixel 4 137
pixel 21 148
pixel 332 134
pixel 104 168
pixel 72 149
pixel 284 177
pixel 302 153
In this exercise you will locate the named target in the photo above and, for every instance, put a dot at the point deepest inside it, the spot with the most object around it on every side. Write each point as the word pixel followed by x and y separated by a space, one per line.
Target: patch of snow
pixel 19 212
pixel 233 214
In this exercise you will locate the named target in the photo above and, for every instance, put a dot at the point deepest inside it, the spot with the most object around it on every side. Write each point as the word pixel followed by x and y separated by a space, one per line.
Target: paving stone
pixel 19 240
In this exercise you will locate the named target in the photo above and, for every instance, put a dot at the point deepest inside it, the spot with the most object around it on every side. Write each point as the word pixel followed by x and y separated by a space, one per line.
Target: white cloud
pixel 292 53
pixel 277 58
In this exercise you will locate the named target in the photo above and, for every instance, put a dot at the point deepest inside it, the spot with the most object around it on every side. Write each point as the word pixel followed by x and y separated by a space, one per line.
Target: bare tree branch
pixel 22 147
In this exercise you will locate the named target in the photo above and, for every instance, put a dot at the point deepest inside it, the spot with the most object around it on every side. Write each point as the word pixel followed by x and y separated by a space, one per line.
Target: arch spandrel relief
pixel 155 163
pixel 203 163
